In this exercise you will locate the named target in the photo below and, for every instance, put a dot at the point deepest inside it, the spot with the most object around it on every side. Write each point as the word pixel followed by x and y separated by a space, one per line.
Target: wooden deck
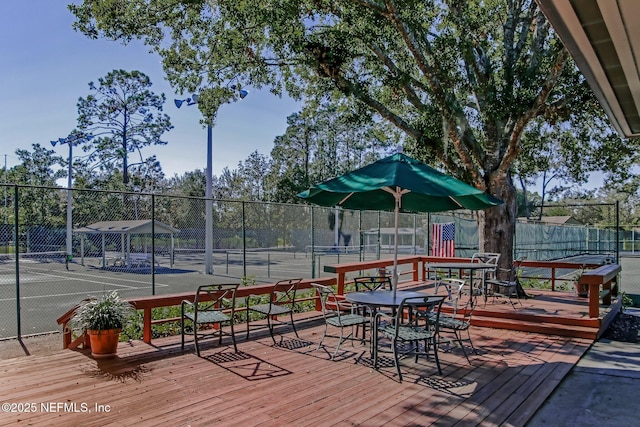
pixel 289 384
pixel 547 312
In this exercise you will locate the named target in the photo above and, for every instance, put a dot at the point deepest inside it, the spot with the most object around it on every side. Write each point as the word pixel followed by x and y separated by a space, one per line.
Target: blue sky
pixel 46 66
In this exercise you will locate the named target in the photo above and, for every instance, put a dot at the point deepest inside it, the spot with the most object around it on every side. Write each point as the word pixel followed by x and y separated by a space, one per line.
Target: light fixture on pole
pixel 208 233
pixel 70 141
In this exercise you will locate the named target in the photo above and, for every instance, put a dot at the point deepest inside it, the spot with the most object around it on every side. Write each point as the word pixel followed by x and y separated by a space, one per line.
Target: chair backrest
pixel 415 310
pixel 453 287
pixel 515 269
pixel 372 283
pixel 284 292
pixel 328 300
pixel 487 258
pixel 216 297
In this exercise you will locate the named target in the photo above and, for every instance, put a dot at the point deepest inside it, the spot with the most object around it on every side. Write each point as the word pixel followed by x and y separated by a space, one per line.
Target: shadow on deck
pixel 290 382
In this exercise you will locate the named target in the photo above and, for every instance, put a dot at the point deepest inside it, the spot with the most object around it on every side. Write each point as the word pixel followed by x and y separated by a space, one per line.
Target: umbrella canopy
pixel 401 184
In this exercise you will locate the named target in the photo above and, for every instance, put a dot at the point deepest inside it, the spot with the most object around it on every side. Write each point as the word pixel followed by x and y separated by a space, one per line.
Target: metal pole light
pixel 208 232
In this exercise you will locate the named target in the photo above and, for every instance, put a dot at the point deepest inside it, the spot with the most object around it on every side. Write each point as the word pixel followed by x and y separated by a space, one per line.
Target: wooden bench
pixel 147 303
pixel 607 276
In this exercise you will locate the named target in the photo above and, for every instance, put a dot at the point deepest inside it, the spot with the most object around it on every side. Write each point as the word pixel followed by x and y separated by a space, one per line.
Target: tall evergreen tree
pixel 122 116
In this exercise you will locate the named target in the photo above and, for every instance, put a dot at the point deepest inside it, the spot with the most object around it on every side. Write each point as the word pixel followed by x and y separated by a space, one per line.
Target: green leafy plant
pixel 625 302
pixel 107 312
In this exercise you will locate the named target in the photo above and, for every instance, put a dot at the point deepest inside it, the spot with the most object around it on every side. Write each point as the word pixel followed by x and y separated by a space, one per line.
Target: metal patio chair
pixel 508 288
pixel 339 314
pixel 413 330
pixel 372 283
pixel 282 299
pixel 460 320
pixel 480 278
pixel 213 305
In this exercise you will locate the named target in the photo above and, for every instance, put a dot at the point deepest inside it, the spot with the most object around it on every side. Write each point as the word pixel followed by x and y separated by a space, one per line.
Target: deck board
pixel 267 385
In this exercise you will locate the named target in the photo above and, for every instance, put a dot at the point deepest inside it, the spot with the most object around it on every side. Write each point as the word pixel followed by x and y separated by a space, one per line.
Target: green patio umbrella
pixel 401 184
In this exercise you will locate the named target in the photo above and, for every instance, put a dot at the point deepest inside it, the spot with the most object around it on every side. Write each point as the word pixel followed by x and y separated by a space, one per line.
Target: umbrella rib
pixel 345 198
pixel 455 201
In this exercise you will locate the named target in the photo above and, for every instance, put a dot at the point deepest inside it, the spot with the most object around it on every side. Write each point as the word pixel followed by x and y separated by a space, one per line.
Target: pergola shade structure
pixel 126 229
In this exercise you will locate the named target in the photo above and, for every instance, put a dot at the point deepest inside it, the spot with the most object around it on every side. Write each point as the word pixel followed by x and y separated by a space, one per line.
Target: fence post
pixel 153 244
pixel 244 244
pixel 617 231
pixel 16 243
pixel 361 237
pixel 313 246
pixel 379 248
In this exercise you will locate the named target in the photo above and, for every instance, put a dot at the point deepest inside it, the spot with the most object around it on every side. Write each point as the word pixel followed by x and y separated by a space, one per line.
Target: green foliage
pixel 106 312
pixel 625 302
pixel 325 139
pixel 38 205
pixel 121 116
pixel 461 81
pixel 535 283
pixel 247 281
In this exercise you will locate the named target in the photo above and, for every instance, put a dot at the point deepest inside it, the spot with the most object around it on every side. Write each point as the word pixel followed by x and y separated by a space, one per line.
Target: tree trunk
pixel 496 226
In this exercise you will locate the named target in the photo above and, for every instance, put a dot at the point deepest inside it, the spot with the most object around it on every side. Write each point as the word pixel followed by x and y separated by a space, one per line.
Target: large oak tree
pixel 462 79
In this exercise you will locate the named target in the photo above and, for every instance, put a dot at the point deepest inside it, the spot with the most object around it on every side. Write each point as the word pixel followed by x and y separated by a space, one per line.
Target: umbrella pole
pixel 394 279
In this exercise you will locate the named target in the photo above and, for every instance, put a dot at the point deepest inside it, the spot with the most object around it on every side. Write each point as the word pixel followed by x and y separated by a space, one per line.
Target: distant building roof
pixel 142 226
pixel 556 220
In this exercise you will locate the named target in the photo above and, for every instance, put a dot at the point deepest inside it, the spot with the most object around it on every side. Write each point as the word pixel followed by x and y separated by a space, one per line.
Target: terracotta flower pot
pixel 104 343
pixel 582 290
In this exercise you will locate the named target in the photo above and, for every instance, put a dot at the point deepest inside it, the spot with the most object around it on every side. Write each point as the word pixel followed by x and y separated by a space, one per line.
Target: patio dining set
pixel 398 322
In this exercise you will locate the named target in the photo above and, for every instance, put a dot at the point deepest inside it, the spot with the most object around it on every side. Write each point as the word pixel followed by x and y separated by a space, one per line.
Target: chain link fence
pixel 144 244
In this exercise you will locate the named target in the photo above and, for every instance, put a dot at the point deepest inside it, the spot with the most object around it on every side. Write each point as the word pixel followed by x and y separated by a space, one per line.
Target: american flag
pixel 443 238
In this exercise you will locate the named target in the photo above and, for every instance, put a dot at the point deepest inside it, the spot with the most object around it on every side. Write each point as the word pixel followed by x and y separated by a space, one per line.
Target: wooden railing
pixel 605 275
pixel 594 274
pixel 418 274
pixel 148 303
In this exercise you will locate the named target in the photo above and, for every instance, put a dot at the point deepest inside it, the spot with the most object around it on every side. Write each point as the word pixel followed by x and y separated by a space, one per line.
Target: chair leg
pixel 293 325
pixel 340 341
pixel 394 345
pixel 270 325
pixel 182 332
pixel 248 316
pixel 324 334
pixel 435 354
pixel 471 343
pixel 233 337
pixel 195 338
pixel 459 339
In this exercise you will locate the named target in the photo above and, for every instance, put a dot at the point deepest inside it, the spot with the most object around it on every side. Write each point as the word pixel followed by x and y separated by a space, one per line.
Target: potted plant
pixel 581 289
pixel 102 319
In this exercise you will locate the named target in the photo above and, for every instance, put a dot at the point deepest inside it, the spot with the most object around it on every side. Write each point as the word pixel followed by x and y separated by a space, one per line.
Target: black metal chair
pixel 412 330
pixel 453 287
pixel 457 323
pixel 281 302
pixel 480 277
pixel 213 305
pixel 508 288
pixel 372 283
pixel 339 314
